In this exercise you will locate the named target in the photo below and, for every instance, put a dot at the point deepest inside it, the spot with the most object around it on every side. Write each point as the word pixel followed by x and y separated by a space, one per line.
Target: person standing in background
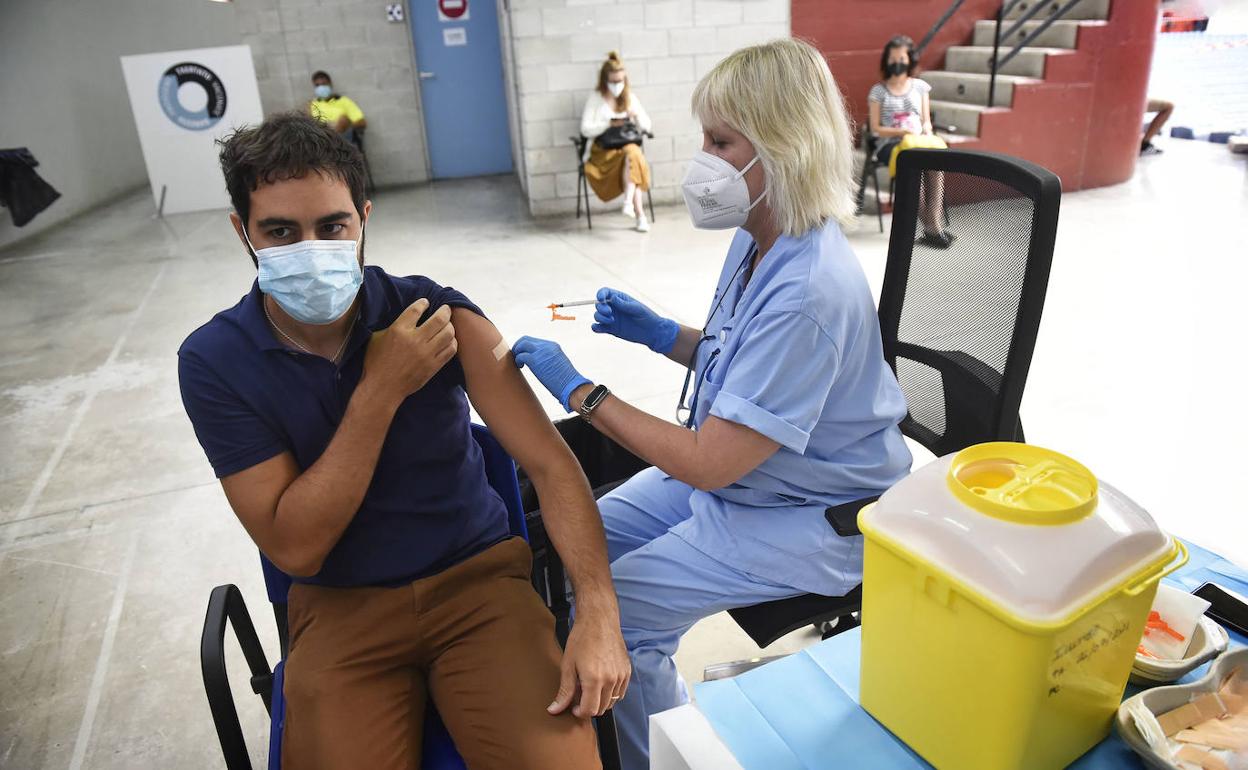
pixel 612 171
pixel 335 110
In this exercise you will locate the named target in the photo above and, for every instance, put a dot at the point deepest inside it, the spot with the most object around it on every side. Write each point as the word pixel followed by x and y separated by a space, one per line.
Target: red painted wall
pixel 1083 122
pixel 852 34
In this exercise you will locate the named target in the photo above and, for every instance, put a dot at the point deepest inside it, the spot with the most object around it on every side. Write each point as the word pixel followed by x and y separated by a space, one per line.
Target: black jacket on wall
pixel 22 191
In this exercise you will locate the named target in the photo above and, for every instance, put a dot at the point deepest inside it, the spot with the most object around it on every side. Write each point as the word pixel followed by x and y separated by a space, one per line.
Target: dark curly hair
pixel 287 146
pixel 899 41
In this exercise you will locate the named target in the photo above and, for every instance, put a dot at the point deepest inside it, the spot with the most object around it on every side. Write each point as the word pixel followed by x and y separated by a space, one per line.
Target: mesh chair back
pixel 959 323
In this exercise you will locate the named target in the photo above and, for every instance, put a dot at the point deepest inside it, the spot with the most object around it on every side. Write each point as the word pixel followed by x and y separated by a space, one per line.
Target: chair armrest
pixel 844 517
pixel 608 741
pixel 226 605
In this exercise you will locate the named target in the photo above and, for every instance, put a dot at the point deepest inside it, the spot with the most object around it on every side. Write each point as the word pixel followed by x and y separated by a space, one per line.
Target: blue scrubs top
pixel 796 355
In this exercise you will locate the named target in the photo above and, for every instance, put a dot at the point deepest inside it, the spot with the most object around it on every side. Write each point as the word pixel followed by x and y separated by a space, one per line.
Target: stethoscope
pixel 685 413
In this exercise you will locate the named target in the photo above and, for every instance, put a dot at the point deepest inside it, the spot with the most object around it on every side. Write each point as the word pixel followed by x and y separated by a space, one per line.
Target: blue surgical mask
pixel 315 282
pixel 322 91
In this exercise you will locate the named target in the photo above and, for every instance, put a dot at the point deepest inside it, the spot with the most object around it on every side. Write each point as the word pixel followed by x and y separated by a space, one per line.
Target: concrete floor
pixel 113 530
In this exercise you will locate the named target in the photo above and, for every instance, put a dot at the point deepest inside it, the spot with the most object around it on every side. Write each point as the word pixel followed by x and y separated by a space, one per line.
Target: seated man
pixel 335 110
pixel 331 403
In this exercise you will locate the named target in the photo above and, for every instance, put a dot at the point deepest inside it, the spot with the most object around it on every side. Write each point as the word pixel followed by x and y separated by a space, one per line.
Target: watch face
pixel 595 397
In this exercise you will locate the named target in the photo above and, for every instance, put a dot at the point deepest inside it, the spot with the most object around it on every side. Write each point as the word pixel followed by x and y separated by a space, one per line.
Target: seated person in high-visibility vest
pixel 335 110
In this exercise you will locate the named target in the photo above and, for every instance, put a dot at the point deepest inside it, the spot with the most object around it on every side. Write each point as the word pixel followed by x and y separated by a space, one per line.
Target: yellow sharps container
pixel 1005 591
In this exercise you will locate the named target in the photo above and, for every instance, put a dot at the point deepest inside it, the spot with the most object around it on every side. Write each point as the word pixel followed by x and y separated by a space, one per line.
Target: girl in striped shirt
pixel 898 105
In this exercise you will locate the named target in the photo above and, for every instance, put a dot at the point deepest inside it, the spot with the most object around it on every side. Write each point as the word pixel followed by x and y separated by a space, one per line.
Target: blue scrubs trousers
pixel 665 585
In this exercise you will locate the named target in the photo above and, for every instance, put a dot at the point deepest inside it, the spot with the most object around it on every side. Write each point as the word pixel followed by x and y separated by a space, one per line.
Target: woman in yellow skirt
pixel 622 170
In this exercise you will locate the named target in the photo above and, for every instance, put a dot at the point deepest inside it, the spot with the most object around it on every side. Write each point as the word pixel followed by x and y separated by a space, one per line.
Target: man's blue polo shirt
pixel 249 398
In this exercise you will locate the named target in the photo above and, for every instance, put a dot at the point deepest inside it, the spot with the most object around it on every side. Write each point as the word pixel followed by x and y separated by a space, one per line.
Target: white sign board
pixel 183 101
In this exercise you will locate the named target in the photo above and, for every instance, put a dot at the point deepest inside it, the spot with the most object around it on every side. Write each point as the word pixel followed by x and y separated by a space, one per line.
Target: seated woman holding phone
pixel 613 121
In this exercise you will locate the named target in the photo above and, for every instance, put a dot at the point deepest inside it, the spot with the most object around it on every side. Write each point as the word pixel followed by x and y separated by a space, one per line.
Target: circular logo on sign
pixel 196 116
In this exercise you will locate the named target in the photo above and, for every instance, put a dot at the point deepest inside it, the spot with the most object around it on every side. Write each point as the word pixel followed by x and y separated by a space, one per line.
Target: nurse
pixel 792 406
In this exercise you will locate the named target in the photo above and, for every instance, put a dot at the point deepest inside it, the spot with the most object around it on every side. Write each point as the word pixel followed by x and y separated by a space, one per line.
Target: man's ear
pixel 368 209
pixel 237 221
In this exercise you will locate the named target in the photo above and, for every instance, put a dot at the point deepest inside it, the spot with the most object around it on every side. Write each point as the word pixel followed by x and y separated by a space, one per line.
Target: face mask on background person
pixel 716 193
pixel 897 68
pixel 323 91
pixel 616 88
pixel 315 282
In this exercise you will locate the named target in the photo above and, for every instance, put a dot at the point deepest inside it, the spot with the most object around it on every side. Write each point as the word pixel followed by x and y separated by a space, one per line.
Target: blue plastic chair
pixel 226 605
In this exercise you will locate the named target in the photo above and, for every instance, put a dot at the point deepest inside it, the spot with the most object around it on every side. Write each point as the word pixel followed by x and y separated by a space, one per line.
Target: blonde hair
pixel 783 98
pixel 613 64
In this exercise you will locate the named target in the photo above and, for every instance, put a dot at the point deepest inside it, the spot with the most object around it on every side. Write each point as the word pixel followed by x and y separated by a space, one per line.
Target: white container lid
pixel 1029 529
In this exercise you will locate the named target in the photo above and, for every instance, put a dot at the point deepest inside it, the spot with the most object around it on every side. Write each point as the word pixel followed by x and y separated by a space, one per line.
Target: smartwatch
pixel 592 401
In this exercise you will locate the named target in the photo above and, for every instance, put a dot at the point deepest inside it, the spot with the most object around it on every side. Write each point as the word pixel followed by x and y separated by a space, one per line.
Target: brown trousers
pixel 475 637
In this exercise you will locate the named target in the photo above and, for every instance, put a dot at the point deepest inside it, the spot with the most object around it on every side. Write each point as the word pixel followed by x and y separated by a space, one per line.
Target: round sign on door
pixel 452 10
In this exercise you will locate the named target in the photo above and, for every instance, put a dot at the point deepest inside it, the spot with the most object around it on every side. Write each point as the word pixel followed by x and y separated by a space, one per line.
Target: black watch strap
pixel 592 401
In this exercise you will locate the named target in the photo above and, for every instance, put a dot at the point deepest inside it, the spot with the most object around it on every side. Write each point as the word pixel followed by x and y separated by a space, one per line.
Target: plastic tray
pixel 1162 699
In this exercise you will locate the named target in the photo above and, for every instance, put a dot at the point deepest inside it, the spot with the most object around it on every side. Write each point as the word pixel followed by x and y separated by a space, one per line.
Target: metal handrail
pixel 998 62
pixel 1065 9
pixel 939 25
pixel 1021 20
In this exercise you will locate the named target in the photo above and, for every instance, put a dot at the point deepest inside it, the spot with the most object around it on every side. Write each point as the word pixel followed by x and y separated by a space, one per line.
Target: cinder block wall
pixel 667 45
pixel 369 58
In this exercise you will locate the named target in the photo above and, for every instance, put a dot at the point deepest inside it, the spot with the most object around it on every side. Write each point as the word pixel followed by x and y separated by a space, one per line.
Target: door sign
pixel 453 10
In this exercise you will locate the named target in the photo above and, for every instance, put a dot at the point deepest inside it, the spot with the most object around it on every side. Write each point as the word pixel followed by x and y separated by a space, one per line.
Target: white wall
pixel 64 97
pixel 667 45
pixel 369 58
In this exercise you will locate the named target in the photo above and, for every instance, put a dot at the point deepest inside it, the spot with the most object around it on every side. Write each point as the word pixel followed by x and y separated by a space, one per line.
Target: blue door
pixel 461 86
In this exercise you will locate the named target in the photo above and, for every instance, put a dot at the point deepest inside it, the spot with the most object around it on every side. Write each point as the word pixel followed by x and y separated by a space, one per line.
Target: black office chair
pixel 606 465
pixel 959 326
pixel 579 143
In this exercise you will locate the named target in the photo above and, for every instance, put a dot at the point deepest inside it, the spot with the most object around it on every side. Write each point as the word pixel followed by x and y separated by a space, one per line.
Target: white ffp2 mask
pixel 716 193
pixel 616 88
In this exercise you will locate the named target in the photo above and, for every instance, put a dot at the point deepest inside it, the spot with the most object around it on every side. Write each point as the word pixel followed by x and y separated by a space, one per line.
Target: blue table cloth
pixel 802 712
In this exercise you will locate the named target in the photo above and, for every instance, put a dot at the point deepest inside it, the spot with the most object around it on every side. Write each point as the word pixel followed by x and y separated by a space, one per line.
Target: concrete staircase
pixel 960 90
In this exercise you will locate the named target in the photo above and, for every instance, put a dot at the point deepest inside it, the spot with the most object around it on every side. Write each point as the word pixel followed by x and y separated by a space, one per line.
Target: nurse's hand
pixel 621 316
pixel 551 367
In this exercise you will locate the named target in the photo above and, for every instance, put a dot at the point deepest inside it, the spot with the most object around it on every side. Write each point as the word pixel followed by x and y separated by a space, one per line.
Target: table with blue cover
pixel 802 712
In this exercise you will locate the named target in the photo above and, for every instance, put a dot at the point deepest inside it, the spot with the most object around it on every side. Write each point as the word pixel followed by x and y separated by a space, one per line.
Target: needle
pixel 556 305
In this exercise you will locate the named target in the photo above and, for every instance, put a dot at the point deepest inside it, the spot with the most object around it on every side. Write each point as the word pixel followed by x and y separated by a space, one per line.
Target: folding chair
pixel 226 605
pixel 870 171
pixel 579 144
pixel 357 138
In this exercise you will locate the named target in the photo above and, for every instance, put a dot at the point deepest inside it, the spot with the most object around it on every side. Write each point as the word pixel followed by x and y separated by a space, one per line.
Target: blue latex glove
pixel 620 315
pixel 551 367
